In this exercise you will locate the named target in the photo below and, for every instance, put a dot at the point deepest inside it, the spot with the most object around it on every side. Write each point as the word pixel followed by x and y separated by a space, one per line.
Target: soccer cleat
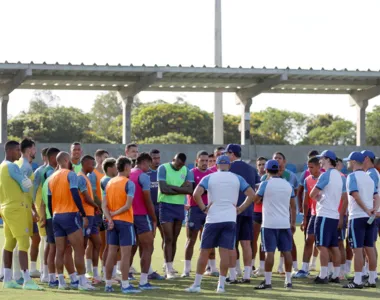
pixel 244 281
pixel 53 284
pixel 370 285
pixel 96 280
pixel 263 286
pixel 239 273
pixel 35 274
pixel 148 286
pixel 155 276
pixel 132 270
pixel 74 284
pixel 193 289
pixel 229 281
pixel 301 274
pixel 319 280
pixel 220 290
pixel 63 287
pixel 86 287
pixel 184 275
pixel 109 289
pixel 313 268
pixel 130 290
pixel 31 285
pixel 44 279
pixel 171 275
pixel 258 273
pixel 131 277
pixel 353 285
pixel 1 278
pixel 11 285
pixel 20 281
pixel 288 286
pixel 334 280
pixel 89 275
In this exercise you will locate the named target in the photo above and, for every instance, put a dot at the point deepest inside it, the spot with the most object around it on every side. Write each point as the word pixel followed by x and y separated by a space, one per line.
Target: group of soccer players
pixel 76 210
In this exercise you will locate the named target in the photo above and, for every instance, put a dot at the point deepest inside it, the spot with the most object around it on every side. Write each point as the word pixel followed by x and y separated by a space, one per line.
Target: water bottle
pixel 371 219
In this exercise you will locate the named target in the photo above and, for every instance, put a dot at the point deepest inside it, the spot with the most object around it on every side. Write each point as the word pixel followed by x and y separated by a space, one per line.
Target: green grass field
pixel 174 289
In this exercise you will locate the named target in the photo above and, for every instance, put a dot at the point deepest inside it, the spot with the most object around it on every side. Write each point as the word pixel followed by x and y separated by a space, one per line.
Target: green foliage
pixel 169 138
pixel 373 126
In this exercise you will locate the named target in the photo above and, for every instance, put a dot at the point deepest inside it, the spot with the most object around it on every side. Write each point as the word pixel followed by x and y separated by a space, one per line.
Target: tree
pixel 169 138
pixel 42 100
pixel 372 126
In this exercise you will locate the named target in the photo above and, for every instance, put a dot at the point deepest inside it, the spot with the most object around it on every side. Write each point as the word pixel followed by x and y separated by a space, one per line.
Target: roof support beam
pixel 20 77
pixel 143 83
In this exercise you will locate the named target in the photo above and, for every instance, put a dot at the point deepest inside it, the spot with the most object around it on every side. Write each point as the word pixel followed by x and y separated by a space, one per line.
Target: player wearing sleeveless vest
pixel 174 182
pixel 76 153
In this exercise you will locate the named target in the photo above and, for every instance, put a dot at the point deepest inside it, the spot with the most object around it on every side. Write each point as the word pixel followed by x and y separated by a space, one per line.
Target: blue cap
pixel 369 154
pixel 356 156
pixel 272 165
pixel 328 154
pixel 223 160
pixel 233 148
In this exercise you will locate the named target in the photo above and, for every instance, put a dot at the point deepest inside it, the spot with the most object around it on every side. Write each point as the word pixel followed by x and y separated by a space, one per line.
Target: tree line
pixel 160 122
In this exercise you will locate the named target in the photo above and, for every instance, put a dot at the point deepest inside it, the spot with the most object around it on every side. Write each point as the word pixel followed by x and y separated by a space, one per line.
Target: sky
pixel 293 33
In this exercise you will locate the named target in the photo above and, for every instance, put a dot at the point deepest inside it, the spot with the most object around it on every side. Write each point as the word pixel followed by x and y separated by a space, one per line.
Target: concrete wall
pixel 294 154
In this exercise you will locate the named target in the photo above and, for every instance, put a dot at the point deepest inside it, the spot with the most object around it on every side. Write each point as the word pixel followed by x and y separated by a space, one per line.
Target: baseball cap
pixel 369 154
pixel 233 148
pixel 223 160
pixel 272 165
pixel 356 156
pixel 328 154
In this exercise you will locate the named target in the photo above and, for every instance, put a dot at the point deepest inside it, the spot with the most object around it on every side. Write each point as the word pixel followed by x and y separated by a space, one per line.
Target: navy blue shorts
pixel 343 232
pixel 49 231
pixel 170 213
pixel 282 239
pixel 360 233
pixel 326 232
pixel 377 229
pixel 258 217
pixel 142 224
pixel 244 228
pixel 35 227
pixel 196 218
pixel 99 222
pixel 157 212
pixel 311 225
pixel 221 235
pixel 66 223
pixel 123 234
pixel 92 227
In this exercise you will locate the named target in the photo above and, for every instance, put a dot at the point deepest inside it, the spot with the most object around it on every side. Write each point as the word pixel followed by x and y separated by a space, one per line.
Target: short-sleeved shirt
pixel 153 185
pixel 223 192
pixel 306 174
pixel 331 184
pixel 198 176
pixel 309 184
pixel 360 182
pixel 374 174
pixel 103 184
pixel 289 176
pixel 276 194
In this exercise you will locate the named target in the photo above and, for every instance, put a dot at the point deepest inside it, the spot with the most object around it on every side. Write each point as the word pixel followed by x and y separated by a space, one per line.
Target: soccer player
pixel 244 221
pixel 145 221
pixel 15 214
pixel 91 208
pixel 131 151
pixel 217 152
pixel 64 203
pixel 28 154
pixel 363 203
pixel 257 221
pixel 117 208
pixel 195 217
pixel 328 192
pixel 219 231
pixel 211 160
pixel 309 204
pixel 174 182
pixel 279 222
pixel 76 153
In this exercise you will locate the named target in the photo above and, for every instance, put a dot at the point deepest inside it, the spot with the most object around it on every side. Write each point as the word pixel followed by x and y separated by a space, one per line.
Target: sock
pixel 247 272
pixel 305 267
pixel 212 263
pixel 262 264
pixel 323 272
pixel 187 266
pixel 336 272
pixel 330 267
pixel 268 277
pixel 281 264
pixel 7 275
pixel 143 278
pixel 108 282
pixel 82 280
pixel 88 265
pixel 295 265
pixel 73 277
pixel 372 277
pixel 26 275
pixel 348 266
pixel 365 269
pixel 61 279
pixel 358 278
pixel 314 260
pixel 41 252
pixel 222 281
pixel 16 265
pixel 104 272
pixel 95 271
pixel 253 262
pixel 150 270
pixel 118 266
pixel 238 268
pixel 232 274
pixel 2 263
pixel 197 280
pixel 45 270
pixel 169 267
pixel 33 266
pixel 343 269
pixel 288 277
pixel 124 284
pixel 113 271
pixel 51 277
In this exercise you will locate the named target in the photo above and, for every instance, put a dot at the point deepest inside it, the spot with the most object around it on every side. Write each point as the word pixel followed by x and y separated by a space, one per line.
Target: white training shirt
pixel 223 192
pixel 332 184
pixel 276 193
pixel 374 174
pixel 360 182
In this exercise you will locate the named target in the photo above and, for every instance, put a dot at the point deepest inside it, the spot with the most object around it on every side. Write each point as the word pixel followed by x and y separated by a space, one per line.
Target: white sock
pixel 118 265
pixel 238 267
pixel 108 282
pixel 232 274
pixel 45 271
pixel 95 271
pixel 7 275
pixel 247 272
pixel 61 279
pixel 26 275
pixel 323 272
pixel 73 277
pixel 281 264
pixel 358 278
pixel 330 267
pixel 88 265
pixel 305 267
pixel 288 277
pixel 253 262
pixel 51 277
pixel 16 265
pixel 33 266
pixel 365 269
pixel 268 277
pixel 143 278
pixel 125 284
pixel 113 271
pixel 343 269
pixel 169 267
pixel 295 265
pixel 41 253
pixel 222 281
pixel 187 266
pixel 314 260
pixel 262 264
pixel 336 272
pixel 82 280
pixel 372 277
pixel 197 280
pixel 150 270
pixel 212 264
pixel 348 266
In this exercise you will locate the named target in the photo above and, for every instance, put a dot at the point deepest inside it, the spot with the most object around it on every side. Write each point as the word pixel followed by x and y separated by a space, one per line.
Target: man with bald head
pixel 65 205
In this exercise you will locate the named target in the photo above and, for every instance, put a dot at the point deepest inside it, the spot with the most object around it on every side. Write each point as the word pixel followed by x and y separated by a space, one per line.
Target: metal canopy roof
pixel 186 79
